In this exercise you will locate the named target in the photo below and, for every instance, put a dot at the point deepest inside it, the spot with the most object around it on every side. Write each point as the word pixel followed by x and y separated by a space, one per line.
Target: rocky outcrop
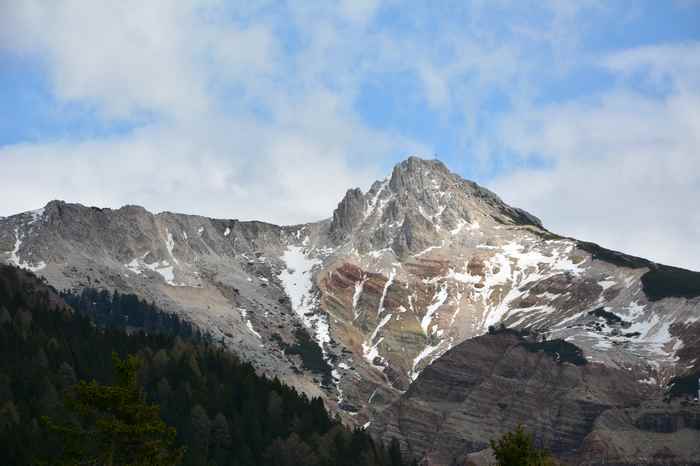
pixel 401 274
pixel 653 433
pixel 348 214
pixel 416 234
pixel 489 385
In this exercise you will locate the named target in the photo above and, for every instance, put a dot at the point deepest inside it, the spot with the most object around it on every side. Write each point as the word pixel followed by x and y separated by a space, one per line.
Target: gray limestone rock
pixel 394 280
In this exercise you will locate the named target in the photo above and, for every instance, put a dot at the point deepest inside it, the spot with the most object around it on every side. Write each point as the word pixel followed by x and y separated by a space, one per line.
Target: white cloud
pixel 626 165
pixel 235 128
pixel 677 65
pixel 250 110
pixel 359 10
pixel 123 57
pixel 236 170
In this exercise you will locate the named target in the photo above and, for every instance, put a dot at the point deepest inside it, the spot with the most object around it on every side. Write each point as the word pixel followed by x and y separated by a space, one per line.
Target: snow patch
pixel 438 300
pixel 372 204
pixel 388 283
pixel 379 253
pixel 426 250
pixel 170 244
pixel 649 381
pixel 605 284
pixel 371 397
pixel 297 282
pixel 359 286
pixel 381 324
pixel 516 267
pixel 635 310
pixel 370 352
pixel 460 225
pixel 248 324
pixel 163 268
pixel 463 277
pixel 37 215
pixel 427 351
pixel 15 259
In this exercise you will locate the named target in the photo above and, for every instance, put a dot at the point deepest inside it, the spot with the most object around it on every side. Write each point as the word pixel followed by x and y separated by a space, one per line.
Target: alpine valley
pixel 425 310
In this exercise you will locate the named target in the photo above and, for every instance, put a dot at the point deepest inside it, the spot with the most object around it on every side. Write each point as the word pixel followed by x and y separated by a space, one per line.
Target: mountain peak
pixel 416 173
pixel 417 164
pixel 418 205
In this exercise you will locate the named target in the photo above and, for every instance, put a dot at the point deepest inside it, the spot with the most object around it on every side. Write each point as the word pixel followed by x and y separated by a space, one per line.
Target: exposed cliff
pixel 584 413
pixel 396 278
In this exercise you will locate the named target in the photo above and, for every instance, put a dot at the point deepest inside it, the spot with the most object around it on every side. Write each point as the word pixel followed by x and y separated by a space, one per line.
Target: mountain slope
pixel 224 413
pixel 395 278
pixel 584 413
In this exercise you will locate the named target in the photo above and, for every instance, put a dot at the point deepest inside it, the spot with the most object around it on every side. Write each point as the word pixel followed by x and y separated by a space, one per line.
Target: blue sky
pixel 583 112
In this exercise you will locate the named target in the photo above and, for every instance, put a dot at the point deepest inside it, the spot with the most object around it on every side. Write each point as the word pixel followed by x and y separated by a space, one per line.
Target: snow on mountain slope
pixel 426 260
pixel 354 308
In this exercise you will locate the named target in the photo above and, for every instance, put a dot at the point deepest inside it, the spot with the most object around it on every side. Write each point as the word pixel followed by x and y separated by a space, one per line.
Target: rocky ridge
pixel 397 277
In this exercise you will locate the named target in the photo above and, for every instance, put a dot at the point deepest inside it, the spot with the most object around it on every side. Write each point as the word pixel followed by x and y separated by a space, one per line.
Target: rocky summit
pixel 377 310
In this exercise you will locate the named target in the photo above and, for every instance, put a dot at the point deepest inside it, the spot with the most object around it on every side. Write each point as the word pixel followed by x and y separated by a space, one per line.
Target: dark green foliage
pixel 224 413
pixel 310 353
pixel 610 317
pixel 128 312
pixel 613 257
pixel 518 449
pixel 521 217
pixel 116 426
pixel 683 386
pixel 663 281
pixel 503 330
pixel 561 350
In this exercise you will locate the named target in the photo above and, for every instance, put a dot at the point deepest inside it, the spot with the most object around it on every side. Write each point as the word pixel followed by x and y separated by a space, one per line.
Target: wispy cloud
pixel 625 164
pixel 272 109
pixel 233 122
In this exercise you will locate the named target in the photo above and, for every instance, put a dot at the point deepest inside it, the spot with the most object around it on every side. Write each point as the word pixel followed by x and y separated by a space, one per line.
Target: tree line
pixel 221 411
pixel 113 380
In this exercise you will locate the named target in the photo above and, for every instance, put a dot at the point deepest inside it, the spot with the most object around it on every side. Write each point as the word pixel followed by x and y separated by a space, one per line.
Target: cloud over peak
pixel 271 110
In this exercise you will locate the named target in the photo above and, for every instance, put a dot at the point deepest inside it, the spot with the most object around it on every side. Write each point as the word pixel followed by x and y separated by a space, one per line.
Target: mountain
pixel 223 412
pixel 584 413
pixel 355 307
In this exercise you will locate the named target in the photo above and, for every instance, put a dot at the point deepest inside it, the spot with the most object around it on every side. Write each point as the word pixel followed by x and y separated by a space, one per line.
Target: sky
pixel 584 112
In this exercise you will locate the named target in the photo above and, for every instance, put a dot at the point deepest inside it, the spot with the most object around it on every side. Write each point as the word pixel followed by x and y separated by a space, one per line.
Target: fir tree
pixel 518 449
pixel 118 426
pixel 200 387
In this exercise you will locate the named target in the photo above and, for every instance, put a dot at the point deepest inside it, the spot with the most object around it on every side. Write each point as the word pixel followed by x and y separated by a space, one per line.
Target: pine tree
pixel 118 427
pixel 220 439
pixel 395 453
pixel 5 317
pixel 9 416
pixel 242 419
pixel 201 427
pixel 518 449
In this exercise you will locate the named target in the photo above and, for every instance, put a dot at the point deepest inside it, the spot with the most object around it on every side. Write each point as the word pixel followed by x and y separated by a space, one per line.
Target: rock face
pixel 585 413
pixel 349 213
pixel 222 275
pixel 653 433
pixel 397 277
